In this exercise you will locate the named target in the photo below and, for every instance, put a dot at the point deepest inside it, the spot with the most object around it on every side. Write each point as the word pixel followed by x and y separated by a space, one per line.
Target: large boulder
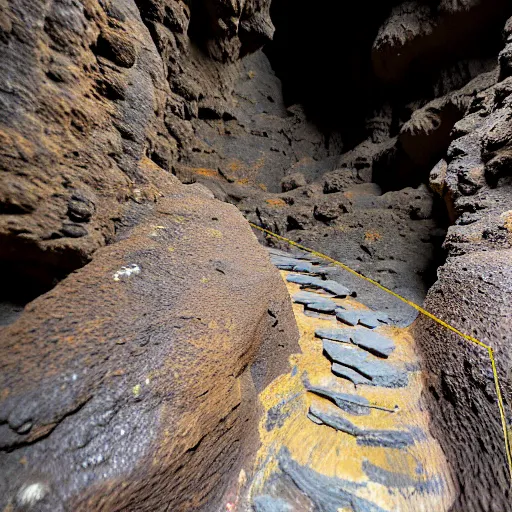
pixel 132 385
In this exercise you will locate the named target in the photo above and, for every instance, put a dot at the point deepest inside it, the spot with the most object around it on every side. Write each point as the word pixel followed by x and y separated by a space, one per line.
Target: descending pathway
pixel 345 430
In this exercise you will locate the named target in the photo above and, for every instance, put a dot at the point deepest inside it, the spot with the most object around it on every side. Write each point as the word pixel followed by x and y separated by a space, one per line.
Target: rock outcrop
pixel 133 383
pixel 474 293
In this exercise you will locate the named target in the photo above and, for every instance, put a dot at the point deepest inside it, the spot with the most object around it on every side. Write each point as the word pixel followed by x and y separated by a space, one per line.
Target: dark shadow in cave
pixel 323 57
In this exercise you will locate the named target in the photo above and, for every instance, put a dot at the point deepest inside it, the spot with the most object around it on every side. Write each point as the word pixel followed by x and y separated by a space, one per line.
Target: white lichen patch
pixel 157 231
pixel 127 271
pixel 30 494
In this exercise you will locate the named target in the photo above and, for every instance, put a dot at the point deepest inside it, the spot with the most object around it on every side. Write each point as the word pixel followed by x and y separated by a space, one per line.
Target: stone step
pixel 379 372
pixel 365 437
pixel 352 404
pixel 333 287
pixel 370 341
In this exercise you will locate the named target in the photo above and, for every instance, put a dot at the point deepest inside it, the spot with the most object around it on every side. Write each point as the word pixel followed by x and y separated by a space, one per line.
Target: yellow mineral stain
pixel 276 202
pixel 202 171
pixel 235 165
pixel 372 236
pixel 214 232
pixel 337 454
pixel 507 220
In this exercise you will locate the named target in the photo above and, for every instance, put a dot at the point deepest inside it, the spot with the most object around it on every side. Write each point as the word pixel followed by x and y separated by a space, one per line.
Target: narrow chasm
pixel 341 128
pixel 158 353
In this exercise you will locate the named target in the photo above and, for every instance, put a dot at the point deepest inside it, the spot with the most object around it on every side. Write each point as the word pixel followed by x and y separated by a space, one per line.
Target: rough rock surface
pixel 102 101
pixel 146 399
pixel 91 93
pixel 474 293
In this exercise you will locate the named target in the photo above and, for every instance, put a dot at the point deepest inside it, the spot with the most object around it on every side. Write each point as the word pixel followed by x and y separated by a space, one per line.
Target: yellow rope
pixel 427 314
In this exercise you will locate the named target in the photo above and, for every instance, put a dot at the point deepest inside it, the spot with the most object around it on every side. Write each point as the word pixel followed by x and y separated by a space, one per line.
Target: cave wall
pixel 93 95
pixel 131 382
pixel 474 293
pixel 329 136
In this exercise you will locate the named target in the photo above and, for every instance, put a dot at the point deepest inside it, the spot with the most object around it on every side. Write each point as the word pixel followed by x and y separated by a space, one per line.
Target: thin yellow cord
pixel 489 349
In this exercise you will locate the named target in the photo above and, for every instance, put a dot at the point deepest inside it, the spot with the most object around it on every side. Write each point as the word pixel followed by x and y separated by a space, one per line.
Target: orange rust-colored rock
pixel 146 399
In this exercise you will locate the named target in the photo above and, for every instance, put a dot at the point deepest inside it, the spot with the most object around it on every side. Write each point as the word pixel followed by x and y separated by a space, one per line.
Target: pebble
pixel 127 271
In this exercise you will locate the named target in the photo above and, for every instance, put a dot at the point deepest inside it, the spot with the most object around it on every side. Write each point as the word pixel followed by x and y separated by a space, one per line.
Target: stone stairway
pixel 345 430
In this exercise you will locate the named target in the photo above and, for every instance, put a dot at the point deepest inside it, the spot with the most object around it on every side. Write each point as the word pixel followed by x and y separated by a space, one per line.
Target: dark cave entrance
pixel 397 107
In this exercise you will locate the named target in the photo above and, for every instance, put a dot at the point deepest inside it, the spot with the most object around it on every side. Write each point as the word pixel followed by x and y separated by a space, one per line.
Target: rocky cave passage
pixel 378 134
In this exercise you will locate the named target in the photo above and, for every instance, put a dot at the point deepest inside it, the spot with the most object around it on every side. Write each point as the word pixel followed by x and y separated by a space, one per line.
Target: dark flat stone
pixel 386 438
pixel 305 280
pixel 277 252
pixel 303 266
pixel 322 271
pixel 396 480
pixel 336 288
pixel 379 372
pixel 324 306
pixel 347 317
pixel 314 314
pixel 373 342
pixel 368 319
pixel 335 421
pixel 312 298
pixel 382 438
pixel 343 335
pixel 309 298
pixel 352 404
pixel 314 419
pixel 383 317
pixel 266 503
pixel 284 263
pixel 347 373
pixel 327 494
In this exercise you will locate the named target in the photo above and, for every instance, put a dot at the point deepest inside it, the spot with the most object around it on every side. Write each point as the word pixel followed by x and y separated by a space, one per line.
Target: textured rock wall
pixel 474 293
pixel 132 385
